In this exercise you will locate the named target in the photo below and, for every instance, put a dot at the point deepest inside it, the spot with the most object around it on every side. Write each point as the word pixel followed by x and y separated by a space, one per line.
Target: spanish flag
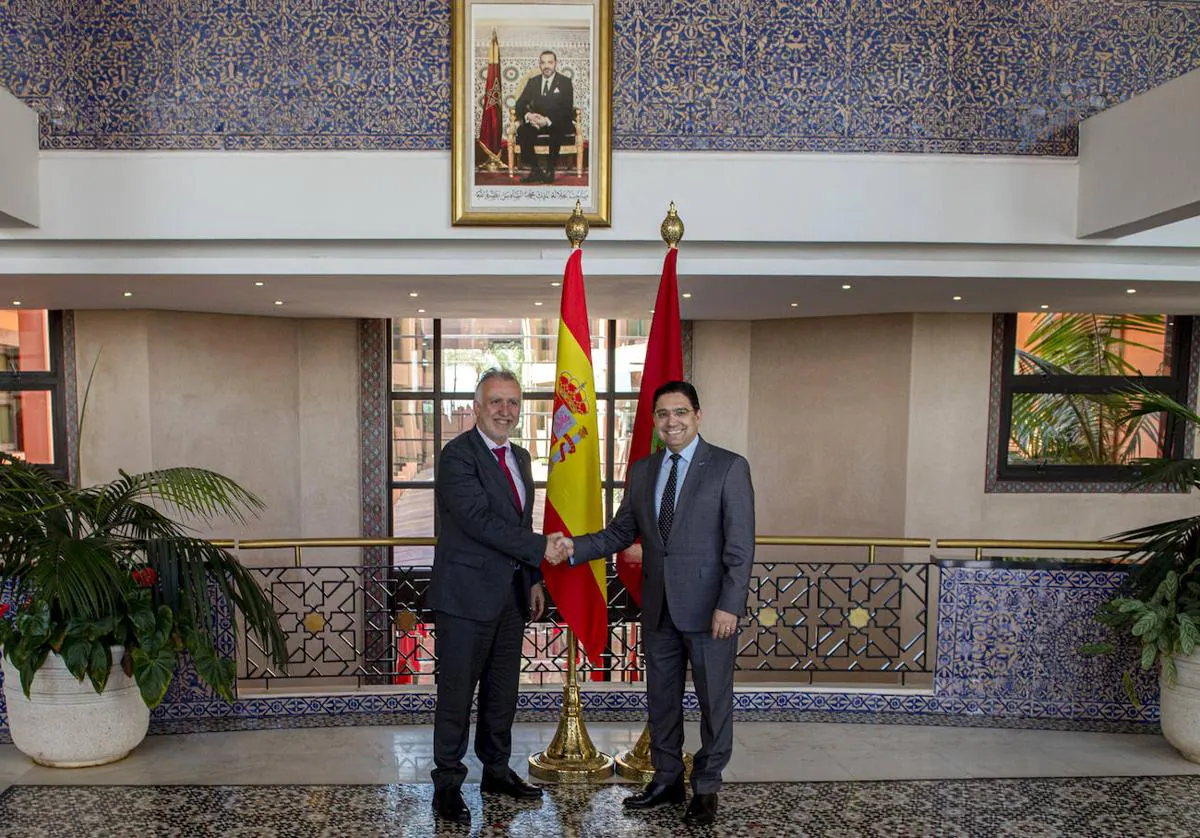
pixel 664 362
pixel 573 500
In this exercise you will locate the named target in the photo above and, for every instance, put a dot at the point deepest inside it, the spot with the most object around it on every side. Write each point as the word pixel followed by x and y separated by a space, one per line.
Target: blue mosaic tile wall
pixel 968 76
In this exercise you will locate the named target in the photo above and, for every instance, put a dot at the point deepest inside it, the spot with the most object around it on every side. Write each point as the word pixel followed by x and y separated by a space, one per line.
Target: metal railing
pixel 368 623
pixel 978 545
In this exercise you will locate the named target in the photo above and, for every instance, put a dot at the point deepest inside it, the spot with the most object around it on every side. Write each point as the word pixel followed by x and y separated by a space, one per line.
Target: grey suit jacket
pixel 481 533
pixel 706 562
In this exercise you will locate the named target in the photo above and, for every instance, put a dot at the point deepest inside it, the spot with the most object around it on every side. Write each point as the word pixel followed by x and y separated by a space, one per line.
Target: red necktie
pixel 499 452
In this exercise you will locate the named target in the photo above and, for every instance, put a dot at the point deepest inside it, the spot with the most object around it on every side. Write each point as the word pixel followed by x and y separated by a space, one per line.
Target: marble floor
pixel 781 781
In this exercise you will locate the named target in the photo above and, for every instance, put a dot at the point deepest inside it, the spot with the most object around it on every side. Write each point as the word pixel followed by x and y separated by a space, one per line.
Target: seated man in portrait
pixel 545 109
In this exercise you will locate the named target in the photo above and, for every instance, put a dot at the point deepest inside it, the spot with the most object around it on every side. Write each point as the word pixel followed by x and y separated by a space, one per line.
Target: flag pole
pixel 635 763
pixel 571 757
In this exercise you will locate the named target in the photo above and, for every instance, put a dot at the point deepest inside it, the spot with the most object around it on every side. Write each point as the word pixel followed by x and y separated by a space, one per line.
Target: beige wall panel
pixel 721 366
pixel 829 424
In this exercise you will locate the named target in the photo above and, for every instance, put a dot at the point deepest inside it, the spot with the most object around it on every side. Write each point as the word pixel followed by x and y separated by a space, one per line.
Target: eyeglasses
pixel 678 413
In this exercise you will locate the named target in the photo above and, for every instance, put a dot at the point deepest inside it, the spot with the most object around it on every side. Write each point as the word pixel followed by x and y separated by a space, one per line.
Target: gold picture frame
pixel 523 159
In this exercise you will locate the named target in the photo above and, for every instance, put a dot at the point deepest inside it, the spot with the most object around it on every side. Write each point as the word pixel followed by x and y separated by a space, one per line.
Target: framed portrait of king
pixel 532 119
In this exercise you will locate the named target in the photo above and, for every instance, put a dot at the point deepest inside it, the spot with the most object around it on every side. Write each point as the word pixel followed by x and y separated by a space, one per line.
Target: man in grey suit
pixel 692 505
pixel 485 586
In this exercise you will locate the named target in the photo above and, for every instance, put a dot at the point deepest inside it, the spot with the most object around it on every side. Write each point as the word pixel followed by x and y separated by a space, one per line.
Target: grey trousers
pixel 668 652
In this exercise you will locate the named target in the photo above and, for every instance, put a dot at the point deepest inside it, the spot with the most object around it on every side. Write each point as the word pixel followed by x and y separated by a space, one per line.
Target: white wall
pixel 1138 161
pixel 18 162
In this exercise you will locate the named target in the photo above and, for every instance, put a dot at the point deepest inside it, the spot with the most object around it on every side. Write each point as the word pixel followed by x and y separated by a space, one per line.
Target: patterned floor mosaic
pixel 1093 806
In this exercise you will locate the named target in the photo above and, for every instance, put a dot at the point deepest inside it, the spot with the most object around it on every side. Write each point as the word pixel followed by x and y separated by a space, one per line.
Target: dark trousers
pixel 668 652
pixel 475 654
pixel 527 138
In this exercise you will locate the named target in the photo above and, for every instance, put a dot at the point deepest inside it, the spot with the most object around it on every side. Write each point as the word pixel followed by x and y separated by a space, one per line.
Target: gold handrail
pixel 980 544
pixel 298 544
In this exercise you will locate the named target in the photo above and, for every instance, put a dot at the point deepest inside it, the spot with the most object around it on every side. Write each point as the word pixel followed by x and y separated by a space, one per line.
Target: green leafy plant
pixel 89 568
pixel 1159 605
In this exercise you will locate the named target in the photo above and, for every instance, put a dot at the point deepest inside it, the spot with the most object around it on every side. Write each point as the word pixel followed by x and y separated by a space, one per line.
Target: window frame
pixel 1007 383
pixel 610 481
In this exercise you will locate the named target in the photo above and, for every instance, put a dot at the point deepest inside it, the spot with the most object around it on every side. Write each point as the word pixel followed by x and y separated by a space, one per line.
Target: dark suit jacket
pixel 705 565
pixel 481 532
pixel 558 104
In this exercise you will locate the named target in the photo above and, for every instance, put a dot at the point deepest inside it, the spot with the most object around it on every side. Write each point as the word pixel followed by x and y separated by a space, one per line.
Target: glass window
pixel 31 388
pixel 1063 405
pixel 412 354
pixel 25 341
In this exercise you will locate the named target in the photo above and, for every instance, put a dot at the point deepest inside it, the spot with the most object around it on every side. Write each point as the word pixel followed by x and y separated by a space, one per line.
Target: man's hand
pixel 556 549
pixel 724 624
pixel 537 601
pixel 632 554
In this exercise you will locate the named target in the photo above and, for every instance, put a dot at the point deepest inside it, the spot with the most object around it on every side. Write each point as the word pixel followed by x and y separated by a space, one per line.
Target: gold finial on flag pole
pixel 577 227
pixel 571 756
pixel 672 227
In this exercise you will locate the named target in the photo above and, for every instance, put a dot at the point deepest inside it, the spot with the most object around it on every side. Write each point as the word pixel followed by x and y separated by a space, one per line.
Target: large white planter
pixel 1180 707
pixel 65 724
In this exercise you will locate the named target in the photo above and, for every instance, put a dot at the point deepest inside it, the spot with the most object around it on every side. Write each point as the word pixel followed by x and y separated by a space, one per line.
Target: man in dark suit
pixel 692 505
pixel 485 586
pixel 545 106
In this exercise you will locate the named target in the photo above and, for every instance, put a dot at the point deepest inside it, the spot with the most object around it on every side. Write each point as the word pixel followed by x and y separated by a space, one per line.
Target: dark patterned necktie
pixel 666 509
pixel 545 87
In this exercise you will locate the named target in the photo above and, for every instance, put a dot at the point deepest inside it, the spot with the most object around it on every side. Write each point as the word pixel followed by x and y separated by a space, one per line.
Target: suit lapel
pixel 490 467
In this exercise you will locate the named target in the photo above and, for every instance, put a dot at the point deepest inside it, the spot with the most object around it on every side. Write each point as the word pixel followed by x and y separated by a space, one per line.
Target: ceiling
pixel 713 297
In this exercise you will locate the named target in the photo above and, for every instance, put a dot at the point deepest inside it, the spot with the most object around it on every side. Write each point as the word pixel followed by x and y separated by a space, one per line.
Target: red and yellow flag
pixel 664 362
pixel 573 498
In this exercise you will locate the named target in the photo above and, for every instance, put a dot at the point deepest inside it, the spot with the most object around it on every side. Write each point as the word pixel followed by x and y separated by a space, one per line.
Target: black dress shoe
pixel 510 784
pixel 450 806
pixel 657 794
pixel 535 175
pixel 702 811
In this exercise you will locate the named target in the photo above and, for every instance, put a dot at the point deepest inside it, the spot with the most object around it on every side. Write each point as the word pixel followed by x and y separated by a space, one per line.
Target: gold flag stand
pixel 571 757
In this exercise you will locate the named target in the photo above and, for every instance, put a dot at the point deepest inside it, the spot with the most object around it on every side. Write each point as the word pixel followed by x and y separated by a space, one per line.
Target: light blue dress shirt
pixel 685 460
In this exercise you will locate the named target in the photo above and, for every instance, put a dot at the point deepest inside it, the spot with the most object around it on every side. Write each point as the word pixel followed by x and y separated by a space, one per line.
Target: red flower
pixel 4 608
pixel 145 578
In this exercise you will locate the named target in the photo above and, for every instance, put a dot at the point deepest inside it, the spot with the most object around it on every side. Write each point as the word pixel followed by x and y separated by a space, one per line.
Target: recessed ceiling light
pixel 16 302
pixel 1045 305
pixel 846 286
pixel 795 305
pixel 537 302
pixel 413 294
pixel 279 302
pixel 127 294
pixel 556 284
pixel 420 311
pixel 687 295
pixel 957 298
pixel 1130 290
pixel 259 284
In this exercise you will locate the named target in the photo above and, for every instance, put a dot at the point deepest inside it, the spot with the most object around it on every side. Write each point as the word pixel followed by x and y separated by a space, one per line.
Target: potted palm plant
pixel 103 592
pixel 1159 605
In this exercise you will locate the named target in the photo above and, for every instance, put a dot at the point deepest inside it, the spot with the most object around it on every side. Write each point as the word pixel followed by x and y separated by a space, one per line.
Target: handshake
pixel 559 548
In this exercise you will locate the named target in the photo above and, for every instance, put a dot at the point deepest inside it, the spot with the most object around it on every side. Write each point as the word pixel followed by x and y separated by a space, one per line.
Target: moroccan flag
pixel 664 362
pixel 573 501
pixel 491 122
